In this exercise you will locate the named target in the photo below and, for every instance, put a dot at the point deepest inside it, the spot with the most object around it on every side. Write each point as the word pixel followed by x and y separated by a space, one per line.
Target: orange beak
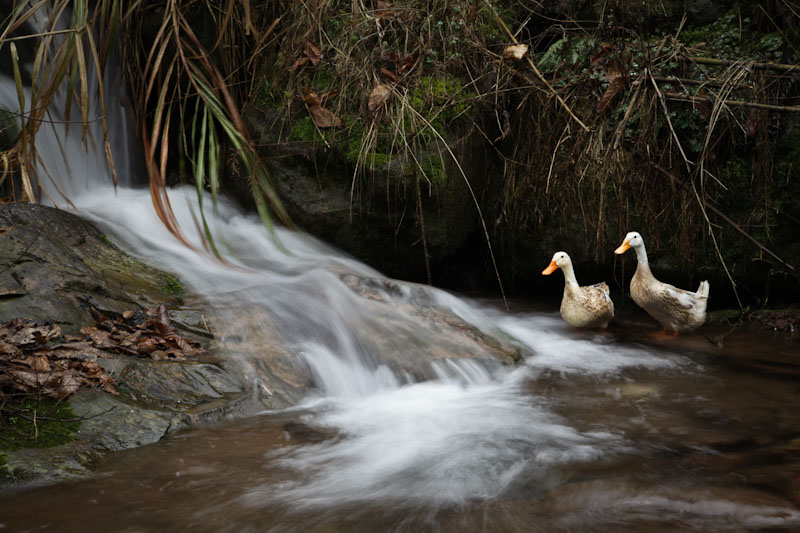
pixel 550 269
pixel 622 248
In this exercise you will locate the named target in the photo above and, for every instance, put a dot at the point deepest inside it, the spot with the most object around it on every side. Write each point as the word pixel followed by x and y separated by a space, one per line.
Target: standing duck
pixel 581 307
pixel 676 309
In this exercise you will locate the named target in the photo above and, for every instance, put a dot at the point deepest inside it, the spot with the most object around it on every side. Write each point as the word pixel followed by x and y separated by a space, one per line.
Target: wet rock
pixel 423 326
pixel 55 265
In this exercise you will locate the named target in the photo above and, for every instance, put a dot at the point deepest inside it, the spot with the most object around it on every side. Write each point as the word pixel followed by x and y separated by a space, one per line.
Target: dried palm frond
pixel 181 97
pixel 65 50
pixel 177 84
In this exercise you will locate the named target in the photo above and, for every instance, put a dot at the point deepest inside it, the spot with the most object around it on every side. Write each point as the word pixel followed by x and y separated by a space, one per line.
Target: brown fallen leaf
pixel 322 117
pixel 378 96
pixel 8 349
pixel 127 315
pixel 38 363
pixel 165 328
pixel 616 83
pixel 99 337
pixel 388 74
pixel 312 52
pixel 517 52
pixel 6 229
pixel 383 9
pixel 407 63
pixel 158 355
pixel 147 345
pixel 69 383
pixel 22 331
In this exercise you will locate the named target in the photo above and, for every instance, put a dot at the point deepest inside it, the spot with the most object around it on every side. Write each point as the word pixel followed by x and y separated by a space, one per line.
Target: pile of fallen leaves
pixel 28 364
pixel 141 334
pixel 32 362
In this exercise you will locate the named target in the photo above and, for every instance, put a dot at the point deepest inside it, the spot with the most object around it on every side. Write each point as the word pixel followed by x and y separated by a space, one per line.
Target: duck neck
pixel 569 276
pixel 641 256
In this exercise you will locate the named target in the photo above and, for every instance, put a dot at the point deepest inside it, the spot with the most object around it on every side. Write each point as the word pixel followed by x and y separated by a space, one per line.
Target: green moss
pixel 441 95
pixel 55 424
pixel 434 169
pixel 269 96
pixel 105 239
pixel 304 130
pixel 172 287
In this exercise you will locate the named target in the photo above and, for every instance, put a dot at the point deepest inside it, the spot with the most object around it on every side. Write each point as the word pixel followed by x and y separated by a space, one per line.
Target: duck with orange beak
pixel 581 307
pixel 676 309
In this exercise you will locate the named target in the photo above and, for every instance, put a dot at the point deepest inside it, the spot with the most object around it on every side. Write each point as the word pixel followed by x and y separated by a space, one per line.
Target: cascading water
pixel 472 431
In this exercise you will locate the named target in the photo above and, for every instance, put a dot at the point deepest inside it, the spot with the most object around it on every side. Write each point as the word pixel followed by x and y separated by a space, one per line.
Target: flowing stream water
pixel 595 432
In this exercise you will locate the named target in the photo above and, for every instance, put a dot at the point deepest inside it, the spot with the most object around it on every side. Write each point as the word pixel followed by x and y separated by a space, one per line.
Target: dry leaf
pixel 379 95
pixel 598 61
pixel 383 9
pixel 312 52
pixel 21 332
pixel 8 349
pixel 517 52
pixel 387 73
pixel 70 383
pixel 322 117
pixel 616 83
pixel 407 63
pixel 127 315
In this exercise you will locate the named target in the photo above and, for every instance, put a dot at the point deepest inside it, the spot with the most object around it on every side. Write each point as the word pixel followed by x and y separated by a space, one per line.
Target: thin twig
pixel 763 65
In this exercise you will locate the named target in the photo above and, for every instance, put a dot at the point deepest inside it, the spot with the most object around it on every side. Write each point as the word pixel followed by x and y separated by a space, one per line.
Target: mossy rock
pixel 56 266
pixel 366 203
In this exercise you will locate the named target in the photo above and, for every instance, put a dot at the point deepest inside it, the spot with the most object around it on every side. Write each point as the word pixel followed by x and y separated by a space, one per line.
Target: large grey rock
pixel 56 266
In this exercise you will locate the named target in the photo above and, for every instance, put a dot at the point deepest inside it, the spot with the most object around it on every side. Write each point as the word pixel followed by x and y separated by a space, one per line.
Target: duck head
pixel 632 240
pixel 560 260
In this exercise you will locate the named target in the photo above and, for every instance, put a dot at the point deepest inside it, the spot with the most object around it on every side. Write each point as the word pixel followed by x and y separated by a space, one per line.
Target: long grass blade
pixel 17 78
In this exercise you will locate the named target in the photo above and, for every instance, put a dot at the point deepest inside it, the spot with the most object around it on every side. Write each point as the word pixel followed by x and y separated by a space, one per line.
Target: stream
pixel 598 432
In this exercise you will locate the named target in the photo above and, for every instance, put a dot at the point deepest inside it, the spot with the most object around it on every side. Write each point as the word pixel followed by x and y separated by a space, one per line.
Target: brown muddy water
pixel 598 432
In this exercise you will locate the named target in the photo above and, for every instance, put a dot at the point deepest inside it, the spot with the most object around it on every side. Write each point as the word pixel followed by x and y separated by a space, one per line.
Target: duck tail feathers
pixel 704 289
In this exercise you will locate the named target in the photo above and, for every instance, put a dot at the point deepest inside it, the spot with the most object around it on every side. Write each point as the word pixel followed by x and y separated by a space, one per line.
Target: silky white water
pixel 473 431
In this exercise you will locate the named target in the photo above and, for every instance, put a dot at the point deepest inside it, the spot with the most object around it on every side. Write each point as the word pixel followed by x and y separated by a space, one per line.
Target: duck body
pixel 677 310
pixel 581 307
pixel 587 307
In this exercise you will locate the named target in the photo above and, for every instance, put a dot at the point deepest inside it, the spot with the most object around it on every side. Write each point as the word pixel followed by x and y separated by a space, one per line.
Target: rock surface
pixel 56 266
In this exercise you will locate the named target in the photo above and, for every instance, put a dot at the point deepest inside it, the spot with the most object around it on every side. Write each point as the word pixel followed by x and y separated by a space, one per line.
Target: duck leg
pixel 664 335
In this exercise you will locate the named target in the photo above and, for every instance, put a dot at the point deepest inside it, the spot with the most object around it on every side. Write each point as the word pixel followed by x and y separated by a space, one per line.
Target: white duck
pixel 581 307
pixel 676 309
